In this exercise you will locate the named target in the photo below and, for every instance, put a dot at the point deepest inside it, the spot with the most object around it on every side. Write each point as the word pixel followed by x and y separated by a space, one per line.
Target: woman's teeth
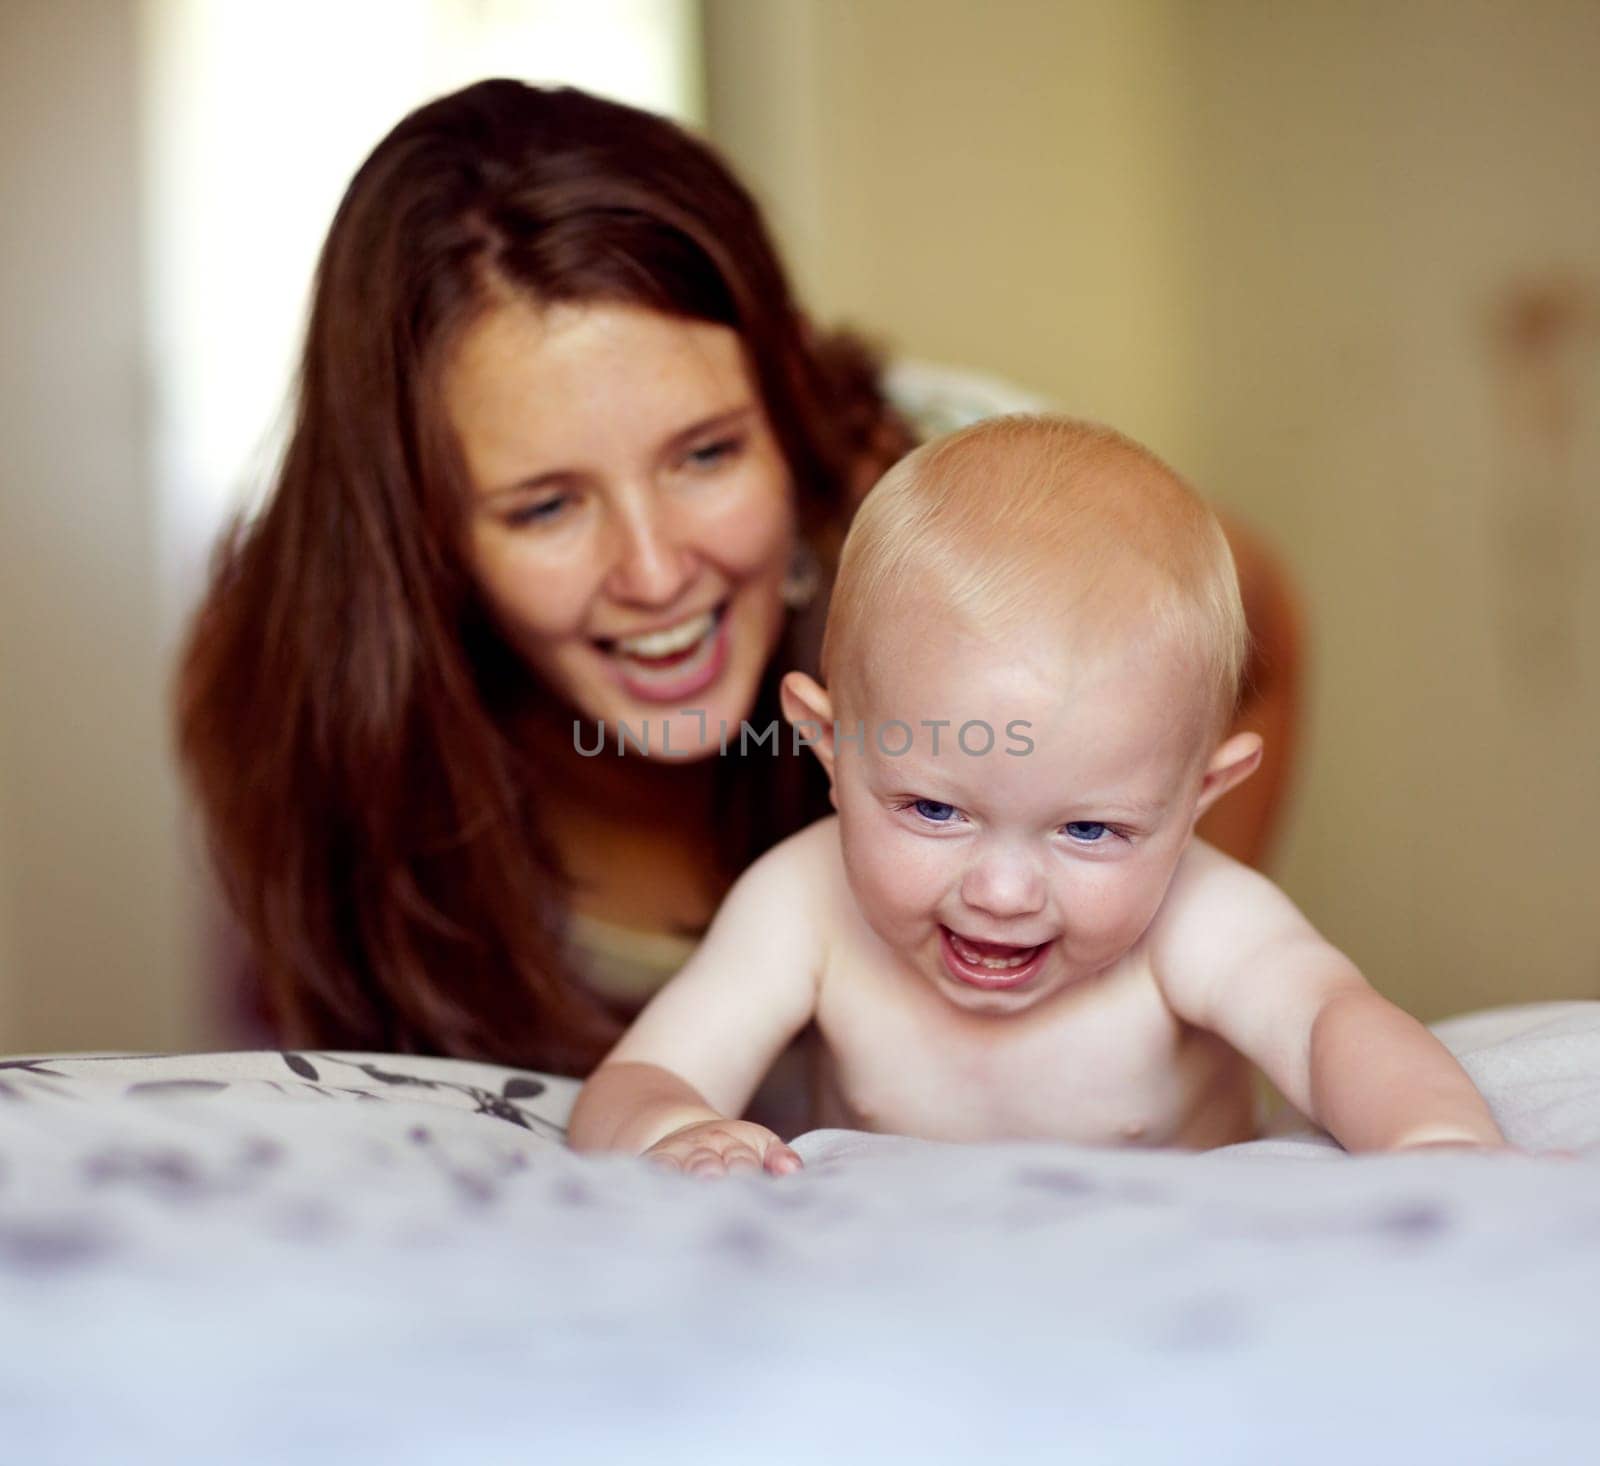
pixel 968 953
pixel 669 641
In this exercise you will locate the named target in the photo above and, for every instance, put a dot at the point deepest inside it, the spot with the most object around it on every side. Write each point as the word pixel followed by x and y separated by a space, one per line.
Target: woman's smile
pixel 674 663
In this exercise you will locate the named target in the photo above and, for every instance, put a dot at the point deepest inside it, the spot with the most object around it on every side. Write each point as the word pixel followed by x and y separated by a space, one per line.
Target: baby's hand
pixel 723 1147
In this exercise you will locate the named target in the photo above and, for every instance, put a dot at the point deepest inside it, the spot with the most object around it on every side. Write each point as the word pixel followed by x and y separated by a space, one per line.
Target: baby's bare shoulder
pixel 803 873
pixel 1217 915
pixel 1211 887
pixel 804 854
pixel 811 855
pixel 1216 900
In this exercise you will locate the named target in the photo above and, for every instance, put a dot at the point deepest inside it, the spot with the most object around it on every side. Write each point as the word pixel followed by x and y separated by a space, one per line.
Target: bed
pixel 338 1257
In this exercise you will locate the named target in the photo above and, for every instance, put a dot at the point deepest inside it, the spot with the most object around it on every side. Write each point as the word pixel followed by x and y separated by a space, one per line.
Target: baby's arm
pixel 695 1055
pixel 1235 956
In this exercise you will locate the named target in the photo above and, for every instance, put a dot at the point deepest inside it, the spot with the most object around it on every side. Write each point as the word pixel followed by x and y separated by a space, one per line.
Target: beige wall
pixel 8 975
pixel 1381 178
pixel 1269 240
pixel 926 165
pixel 93 932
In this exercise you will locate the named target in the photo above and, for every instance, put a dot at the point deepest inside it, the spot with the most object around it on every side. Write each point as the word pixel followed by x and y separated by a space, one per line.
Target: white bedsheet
pixel 268 1258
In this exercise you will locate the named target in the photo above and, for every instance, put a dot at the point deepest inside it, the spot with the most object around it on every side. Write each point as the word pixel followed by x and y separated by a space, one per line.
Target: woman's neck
pixel 609 786
pixel 636 836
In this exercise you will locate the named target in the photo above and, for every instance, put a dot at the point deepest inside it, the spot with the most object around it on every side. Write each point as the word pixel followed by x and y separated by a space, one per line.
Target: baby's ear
pixel 1234 761
pixel 809 709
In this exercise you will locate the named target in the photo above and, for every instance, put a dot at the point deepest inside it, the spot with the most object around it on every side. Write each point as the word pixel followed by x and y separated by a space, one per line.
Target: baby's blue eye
pixel 933 811
pixel 1086 830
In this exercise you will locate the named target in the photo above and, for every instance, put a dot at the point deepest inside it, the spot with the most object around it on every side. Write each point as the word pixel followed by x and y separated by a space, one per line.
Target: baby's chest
pixel 1113 1067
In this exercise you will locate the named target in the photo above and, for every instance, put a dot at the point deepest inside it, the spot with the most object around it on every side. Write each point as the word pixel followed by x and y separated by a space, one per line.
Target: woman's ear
pixel 1234 761
pixel 809 711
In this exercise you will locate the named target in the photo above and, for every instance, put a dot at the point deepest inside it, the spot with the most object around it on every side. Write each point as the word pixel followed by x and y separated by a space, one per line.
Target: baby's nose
pixel 1004 883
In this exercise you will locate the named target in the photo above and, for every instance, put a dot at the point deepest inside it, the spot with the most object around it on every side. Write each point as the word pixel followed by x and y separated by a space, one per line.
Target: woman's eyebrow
pixel 728 418
pixel 555 478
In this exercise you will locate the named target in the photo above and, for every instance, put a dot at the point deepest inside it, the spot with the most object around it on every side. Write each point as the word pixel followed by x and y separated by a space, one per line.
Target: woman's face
pixel 632 516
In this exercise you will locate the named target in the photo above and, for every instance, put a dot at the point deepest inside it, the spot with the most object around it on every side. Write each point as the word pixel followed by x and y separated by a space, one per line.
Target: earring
pixel 803 578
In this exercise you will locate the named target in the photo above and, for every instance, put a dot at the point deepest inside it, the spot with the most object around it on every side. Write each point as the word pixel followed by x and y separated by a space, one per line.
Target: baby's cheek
pixel 1116 908
pixel 900 900
pixel 888 882
pixel 899 896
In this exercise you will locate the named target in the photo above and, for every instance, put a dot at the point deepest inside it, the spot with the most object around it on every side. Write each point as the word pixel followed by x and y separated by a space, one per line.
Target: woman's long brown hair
pixel 345 704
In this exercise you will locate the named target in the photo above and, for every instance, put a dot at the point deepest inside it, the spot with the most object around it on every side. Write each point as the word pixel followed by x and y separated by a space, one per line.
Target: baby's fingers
pixel 740 1155
pixel 780 1160
pixel 724 1157
pixel 704 1161
pixel 741 1159
pixel 707 1150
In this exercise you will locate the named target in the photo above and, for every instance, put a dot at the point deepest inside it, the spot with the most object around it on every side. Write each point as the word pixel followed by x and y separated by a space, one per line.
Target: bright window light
pixel 257 116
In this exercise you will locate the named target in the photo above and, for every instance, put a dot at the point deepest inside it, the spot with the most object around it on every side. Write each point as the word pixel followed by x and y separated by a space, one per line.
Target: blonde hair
pixel 1027 516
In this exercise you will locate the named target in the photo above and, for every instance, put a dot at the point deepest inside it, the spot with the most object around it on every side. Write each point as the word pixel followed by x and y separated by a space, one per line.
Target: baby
pixel 1009 928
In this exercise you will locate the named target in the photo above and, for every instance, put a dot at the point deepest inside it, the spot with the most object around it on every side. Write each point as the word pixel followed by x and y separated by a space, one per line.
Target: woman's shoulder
pixel 934 398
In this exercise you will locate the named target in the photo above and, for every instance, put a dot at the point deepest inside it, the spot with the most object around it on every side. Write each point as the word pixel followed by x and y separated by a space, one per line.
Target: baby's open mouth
pixel 990 964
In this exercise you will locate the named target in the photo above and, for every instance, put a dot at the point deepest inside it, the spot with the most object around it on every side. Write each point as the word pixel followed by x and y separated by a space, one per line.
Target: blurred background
pixel 1337 260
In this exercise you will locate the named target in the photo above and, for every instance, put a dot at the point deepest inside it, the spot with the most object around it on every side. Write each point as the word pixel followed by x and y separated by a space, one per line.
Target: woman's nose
pixel 650 565
pixel 1004 883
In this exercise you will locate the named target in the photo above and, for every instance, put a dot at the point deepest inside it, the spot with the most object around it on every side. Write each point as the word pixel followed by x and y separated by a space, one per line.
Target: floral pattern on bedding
pixel 118 1159
pixel 534 1102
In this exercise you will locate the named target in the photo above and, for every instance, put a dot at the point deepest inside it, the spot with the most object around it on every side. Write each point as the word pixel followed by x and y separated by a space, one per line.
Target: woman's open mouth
pixel 675 662
pixel 990 965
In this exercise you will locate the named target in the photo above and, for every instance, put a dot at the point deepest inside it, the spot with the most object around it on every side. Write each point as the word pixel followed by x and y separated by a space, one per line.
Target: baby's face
pixel 1005 877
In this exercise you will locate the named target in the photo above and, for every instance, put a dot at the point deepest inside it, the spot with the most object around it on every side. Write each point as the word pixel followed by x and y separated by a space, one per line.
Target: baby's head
pixel 1040 533
pixel 1036 634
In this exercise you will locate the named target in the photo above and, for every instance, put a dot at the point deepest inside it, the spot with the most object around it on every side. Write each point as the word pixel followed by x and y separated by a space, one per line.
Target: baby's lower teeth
pixel 994 964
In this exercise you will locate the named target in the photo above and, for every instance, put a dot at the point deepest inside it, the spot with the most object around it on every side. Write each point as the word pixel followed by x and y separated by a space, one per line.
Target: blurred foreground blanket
pixel 346 1258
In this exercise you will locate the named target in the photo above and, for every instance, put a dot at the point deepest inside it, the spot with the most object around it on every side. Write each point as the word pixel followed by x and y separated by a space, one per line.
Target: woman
pixel 566 453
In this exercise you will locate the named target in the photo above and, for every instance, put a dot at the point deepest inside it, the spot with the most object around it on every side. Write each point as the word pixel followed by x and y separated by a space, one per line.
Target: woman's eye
pixel 1086 830
pixel 934 812
pixel 710 455
pixel 540 511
